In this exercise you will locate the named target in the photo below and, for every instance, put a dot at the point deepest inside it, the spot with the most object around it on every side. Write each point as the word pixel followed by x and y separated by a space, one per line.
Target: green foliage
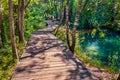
pixel 97 13
pixel 34 19
pixel 6 63
pixel 92 46
pixel 96 48
pixel 61 34
pixel 103 47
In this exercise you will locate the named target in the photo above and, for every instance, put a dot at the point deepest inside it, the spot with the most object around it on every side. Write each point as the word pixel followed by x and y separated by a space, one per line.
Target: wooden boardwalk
pixel 46 58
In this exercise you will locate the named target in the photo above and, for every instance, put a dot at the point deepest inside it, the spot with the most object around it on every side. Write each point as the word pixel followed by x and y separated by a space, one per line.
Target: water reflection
pixel 105 49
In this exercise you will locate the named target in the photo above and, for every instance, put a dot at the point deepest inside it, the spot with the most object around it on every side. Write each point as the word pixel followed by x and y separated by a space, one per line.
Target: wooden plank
pixel 46 58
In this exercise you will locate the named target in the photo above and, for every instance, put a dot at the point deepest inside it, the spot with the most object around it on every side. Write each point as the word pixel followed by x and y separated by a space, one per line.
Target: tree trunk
pixel 22 19
pixel 1 20
pixel 62 16
pixel 118 77
pixel 21 11
pixel 12 33
pixel 67 25
pixel 62 12
pixel 21 37
pixel 72 47
pixel 74 27
pixel 19 21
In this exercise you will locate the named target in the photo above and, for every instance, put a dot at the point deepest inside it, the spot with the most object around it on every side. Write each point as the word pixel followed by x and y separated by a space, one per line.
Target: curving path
pixel 46 58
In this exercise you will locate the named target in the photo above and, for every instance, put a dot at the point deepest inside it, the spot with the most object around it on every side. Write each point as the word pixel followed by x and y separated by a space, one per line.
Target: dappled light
pixel 59 39
pixel 46 57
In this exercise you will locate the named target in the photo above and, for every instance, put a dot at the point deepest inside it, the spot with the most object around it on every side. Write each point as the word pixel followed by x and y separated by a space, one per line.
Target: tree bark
pixel 72 47
pixel 62 12
pixel 1 21
pixel 12 33
pixel 118 77
pixel 21 11
pixel 22 18
pixel 74 27
pixel 21 39
pixel 67 24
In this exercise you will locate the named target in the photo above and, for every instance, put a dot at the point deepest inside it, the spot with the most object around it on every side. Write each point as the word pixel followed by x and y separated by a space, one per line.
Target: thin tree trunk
pixel 72 47
pixel 22 18
pixel 21 39
pixel 118 77
pixel 67 25
pixel 1 21
pixel 21 11
pixel 62 12
pixel 61 17
pixel 74 27
pixel 12 33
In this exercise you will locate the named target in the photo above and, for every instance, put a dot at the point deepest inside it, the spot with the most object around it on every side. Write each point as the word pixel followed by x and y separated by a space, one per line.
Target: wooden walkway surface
pixel 46 58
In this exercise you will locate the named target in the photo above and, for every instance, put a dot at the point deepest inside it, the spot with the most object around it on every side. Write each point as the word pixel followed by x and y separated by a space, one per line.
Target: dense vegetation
pixel 33 21
pixel 97 35
pixel 90 29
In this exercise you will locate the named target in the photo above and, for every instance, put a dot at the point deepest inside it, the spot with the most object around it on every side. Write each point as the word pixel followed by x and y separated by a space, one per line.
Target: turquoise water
pixel 105 49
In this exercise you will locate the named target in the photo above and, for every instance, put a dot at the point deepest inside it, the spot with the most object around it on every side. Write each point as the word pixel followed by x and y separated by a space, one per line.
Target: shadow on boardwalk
pixel 80 72
pixel 46 58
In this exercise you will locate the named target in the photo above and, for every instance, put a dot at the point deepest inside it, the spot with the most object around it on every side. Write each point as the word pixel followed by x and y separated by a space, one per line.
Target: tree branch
pixel 27 4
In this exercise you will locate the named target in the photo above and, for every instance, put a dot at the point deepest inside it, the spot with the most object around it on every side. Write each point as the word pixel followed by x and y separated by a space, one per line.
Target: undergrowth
pixel 82 55
pixel 7 62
